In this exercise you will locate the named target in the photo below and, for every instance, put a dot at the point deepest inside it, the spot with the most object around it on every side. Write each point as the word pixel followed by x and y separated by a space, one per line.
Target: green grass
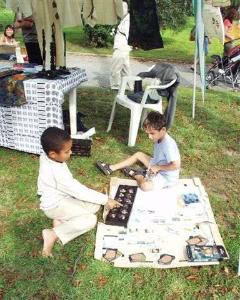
pixel 209 147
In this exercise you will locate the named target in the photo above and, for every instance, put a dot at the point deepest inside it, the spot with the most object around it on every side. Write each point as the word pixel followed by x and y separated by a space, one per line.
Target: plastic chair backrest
pixel 156 86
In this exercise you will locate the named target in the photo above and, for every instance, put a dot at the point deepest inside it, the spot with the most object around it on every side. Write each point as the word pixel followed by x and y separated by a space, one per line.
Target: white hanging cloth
pixel 213 22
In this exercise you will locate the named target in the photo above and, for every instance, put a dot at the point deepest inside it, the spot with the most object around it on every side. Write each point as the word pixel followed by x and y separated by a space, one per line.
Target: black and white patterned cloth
pixel 21 127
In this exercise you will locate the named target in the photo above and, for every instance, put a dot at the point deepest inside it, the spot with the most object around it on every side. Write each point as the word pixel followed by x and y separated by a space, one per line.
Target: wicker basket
pixel 81 147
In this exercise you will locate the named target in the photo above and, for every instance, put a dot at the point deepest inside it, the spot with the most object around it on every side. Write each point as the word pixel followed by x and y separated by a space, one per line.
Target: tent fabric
pixel 144 27
pixel 213 22
pixel 44 17
pixel 24 7
pixel 69 12
pixel 218 3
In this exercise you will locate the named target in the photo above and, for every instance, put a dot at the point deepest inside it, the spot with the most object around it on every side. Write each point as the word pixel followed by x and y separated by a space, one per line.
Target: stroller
pixel 225 69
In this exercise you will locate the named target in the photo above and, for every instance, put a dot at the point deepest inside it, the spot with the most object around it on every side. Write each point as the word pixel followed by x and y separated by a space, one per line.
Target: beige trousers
pixel 77 216
pixel 120 67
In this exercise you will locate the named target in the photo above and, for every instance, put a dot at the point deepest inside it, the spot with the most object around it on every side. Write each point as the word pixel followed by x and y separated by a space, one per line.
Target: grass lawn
pixel 209 147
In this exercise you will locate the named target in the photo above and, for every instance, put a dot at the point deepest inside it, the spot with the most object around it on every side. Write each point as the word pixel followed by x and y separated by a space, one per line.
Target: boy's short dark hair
pixel 53 139
pixel 154 120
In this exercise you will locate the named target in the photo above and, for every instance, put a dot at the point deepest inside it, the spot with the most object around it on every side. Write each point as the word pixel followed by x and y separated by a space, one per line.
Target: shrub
pixel 173 14
pixel 98 36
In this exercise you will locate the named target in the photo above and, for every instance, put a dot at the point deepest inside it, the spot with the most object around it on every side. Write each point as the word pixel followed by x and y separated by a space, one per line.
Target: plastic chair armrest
pixel 131 78
pixel 124 82
pixel 161 87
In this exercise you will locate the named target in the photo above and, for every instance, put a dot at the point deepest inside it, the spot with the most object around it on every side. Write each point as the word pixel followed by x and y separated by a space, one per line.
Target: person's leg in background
pixel 34 53
pixel 206 43
pixel 126 70
pixel 227 48
pixel 116 68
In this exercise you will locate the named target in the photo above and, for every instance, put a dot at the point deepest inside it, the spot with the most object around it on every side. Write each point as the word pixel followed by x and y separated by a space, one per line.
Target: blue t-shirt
pixel 164 153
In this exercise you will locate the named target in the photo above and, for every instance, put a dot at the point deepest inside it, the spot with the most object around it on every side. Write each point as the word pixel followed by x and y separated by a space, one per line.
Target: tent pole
pixel 194 82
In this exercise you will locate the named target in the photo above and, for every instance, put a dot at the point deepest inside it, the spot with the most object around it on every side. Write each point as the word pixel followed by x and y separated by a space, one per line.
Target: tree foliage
pixel 235 3
pixel 173 13
pixel 2 4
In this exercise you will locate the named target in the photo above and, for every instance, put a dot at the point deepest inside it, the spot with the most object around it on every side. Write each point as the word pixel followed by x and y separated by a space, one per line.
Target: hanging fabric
pixel 213 22
pixel 102 12
pixel 221 3
pixel 23 7
pixel 218 3
pixel 70 12
pixel 144 27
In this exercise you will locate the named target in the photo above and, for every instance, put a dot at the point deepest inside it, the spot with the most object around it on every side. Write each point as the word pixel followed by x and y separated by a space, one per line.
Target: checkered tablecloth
pixel 21 127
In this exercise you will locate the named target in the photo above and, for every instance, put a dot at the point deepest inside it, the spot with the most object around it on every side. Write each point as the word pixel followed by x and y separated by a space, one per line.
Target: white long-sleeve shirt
pixel 56 182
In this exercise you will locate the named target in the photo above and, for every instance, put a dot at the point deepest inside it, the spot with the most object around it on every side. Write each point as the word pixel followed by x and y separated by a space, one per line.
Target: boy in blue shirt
pixel 163 168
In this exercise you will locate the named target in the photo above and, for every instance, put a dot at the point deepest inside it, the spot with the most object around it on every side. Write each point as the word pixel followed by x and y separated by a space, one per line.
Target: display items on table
pixel 21 127
pixel 12 88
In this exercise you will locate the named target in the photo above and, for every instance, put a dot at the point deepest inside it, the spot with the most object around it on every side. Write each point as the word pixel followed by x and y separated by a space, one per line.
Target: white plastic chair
pixel 138 110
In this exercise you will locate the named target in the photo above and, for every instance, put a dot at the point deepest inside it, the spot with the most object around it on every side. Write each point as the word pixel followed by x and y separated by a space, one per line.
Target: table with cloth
pixel 22 126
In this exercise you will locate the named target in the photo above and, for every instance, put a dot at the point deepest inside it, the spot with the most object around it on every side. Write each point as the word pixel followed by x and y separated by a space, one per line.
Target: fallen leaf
pixel 102 281
pixel 192 277
pixel 34 157
pixel 77 283
pixel 226 270
pixel 82 267
pixel 138 279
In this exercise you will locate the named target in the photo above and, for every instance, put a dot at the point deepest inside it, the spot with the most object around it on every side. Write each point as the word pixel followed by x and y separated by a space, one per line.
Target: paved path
pixel 98 69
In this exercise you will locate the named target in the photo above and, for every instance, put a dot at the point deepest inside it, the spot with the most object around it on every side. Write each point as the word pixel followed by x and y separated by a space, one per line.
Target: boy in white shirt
pixel 70 204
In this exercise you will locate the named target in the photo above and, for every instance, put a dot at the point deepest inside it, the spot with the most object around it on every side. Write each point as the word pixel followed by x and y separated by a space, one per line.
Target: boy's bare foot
pixel 49 239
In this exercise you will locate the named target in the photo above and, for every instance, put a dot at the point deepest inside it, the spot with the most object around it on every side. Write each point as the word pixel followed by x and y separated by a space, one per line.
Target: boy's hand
pixel 154 169
pixel 112 204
